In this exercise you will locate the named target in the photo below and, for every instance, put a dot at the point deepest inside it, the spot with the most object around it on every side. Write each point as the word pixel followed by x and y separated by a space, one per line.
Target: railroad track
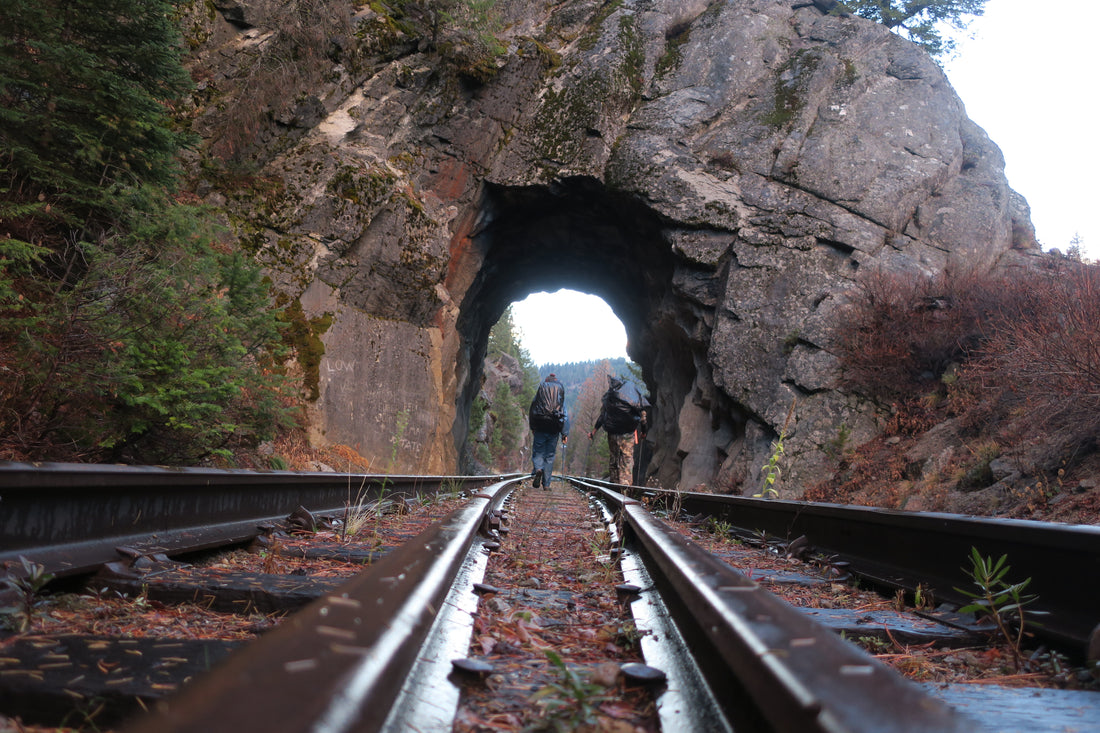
pixel 361 655
pixel 897 550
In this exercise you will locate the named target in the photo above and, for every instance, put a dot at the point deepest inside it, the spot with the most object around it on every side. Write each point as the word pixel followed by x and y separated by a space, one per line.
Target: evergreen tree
pixel 160 353
pixel 436 18
pixel 921 21
pixel 509 416
pixel 462 32
pixel 505 416
pixel 126 331
pixel 504 339
pixel 85 94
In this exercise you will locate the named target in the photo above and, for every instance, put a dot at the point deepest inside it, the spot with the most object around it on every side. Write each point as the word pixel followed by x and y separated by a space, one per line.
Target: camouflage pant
pixel 620 450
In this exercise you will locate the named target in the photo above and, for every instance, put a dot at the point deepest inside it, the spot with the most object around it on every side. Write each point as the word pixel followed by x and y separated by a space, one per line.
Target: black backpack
pixel 547 414
pixel 623 405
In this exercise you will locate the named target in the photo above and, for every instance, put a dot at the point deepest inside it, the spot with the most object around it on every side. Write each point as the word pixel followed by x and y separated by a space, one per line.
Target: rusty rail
pixel 905 549
pixel 338 664
pixel 769 665
pixel 71 518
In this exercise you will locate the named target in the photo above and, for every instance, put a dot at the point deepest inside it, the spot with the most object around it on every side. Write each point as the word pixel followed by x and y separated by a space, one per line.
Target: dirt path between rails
pixel 555 633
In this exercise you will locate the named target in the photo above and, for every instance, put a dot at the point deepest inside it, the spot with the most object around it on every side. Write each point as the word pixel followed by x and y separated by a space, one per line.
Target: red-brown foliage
pixel 1045 366
pixel 906 330
pixel 1016 352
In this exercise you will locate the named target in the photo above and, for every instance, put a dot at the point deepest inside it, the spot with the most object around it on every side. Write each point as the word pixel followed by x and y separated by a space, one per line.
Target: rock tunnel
pixel 577 234
pixel 719 190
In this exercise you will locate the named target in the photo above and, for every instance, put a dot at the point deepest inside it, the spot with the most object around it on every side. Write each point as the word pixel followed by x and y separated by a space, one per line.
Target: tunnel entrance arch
pixel 577 234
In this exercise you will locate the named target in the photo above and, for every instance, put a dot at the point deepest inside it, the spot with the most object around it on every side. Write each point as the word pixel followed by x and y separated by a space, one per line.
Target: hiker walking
pixel 623 416
pixel 548 419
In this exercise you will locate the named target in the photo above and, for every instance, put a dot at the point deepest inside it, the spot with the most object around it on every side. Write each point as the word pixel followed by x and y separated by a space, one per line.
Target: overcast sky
pixel 568 326
pixel 1028 77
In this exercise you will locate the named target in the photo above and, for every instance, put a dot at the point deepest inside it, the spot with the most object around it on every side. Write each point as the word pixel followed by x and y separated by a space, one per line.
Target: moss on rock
pixel 791 84
pixel 303 336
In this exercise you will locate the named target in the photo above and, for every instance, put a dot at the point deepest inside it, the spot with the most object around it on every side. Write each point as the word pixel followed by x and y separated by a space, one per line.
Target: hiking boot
pixel 538 478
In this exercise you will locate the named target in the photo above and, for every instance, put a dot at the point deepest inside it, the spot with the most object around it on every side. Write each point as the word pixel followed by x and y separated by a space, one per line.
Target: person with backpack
pixel 623 416
pixel 548 419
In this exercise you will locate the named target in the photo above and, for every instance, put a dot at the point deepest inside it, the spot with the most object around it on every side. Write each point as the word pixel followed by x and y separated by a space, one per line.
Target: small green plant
pixel 356 513
pixel 978 474
pixel 771 471
pixel 922 598
pixel 83 714
pixel 771 468
pixel 628 636
pixel 790 341
pixel 760 538
pixel 607 565
pixel 836 448
pixel 720 528
pixel 570 703
pixel 398 436
pixel 873 644
pixel 395 444
pixel 29 587
pixel 1001 601
pixel 451 488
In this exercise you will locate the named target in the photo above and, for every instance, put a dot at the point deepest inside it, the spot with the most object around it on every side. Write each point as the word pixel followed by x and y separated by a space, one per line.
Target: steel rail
pixel 769 665
pixel 339 663
pixel 932 549
pixel 72 518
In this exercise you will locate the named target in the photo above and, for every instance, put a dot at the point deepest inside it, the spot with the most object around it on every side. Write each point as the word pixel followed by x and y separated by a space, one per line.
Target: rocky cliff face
pixel 718 172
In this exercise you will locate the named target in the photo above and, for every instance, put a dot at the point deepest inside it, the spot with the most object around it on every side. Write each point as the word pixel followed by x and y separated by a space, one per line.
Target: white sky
pixel 557 328
pixel 1027 76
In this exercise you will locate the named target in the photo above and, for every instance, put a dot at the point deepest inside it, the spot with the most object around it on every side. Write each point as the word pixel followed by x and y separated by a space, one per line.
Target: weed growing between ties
pixel 556 633
pixel 399 435
pixel 29 588
pixel 999 600
pixel 759 555
pixel 571 701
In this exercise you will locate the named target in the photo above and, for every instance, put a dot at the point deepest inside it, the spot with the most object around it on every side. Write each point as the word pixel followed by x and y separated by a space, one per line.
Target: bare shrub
pixel 292 64
pixel 907 331
pixel 1014 356
pixel 1043 364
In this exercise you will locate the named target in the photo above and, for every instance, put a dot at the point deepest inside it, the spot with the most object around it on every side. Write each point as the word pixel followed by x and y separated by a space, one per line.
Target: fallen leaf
pixel 487 644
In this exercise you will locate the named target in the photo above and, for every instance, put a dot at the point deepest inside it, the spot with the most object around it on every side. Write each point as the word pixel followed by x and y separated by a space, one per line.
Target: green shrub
pixel 163 352
pixel 127 331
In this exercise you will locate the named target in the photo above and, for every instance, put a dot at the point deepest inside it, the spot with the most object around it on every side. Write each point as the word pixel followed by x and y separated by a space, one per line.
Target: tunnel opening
pixel 575 336
pixel 577 234
pixel 568 326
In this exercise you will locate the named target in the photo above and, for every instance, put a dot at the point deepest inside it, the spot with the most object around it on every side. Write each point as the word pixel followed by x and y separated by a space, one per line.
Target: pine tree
pixel 126 331
pixel 921 21
pixel 85 89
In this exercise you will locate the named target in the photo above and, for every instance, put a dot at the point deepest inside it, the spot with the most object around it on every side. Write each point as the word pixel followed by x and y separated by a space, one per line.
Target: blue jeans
pixel 543 449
